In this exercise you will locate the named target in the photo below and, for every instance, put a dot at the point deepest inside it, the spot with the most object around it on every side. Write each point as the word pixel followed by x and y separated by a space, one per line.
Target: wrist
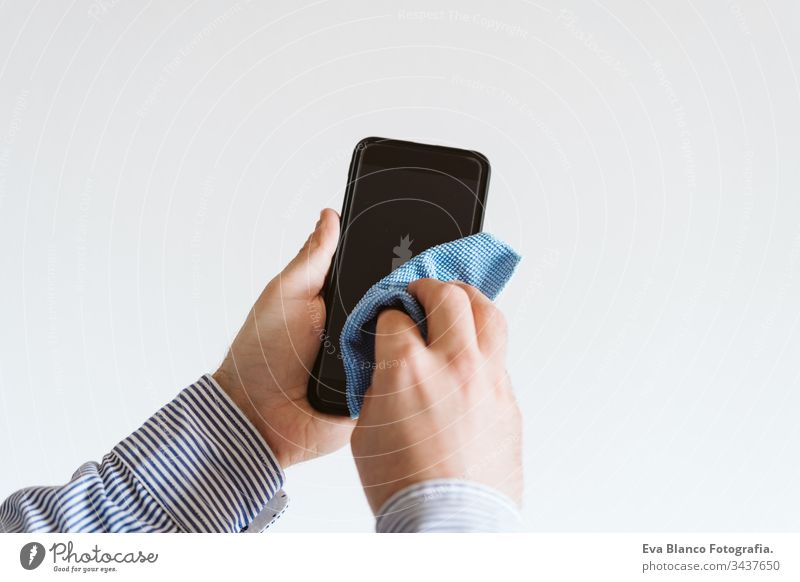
pixel 232 386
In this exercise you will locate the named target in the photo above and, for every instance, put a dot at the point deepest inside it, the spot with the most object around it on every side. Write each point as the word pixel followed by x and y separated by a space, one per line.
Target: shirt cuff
pixel 448 505
pixel 205 464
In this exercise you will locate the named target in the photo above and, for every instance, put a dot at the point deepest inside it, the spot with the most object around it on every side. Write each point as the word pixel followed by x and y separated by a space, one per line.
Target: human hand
pixel 447 411
pixel 267 368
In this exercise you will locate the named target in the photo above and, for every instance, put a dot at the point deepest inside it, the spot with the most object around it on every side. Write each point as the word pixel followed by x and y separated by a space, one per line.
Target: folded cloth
pixel 479 260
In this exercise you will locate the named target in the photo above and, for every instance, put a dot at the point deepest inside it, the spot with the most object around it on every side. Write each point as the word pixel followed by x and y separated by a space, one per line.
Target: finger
pixel 448 312
pixel 490 323
pixel 304 276
pixel 396 336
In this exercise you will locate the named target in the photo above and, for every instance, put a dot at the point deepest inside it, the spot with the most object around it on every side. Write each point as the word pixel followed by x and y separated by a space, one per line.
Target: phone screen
pixel 403 199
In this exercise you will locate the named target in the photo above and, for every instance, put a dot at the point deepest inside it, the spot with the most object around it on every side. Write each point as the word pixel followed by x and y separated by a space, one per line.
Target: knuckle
pixel 406 353
pixel 388 320
pixel 425 284
pixel 415 364
pixel 448 293
pixel 499 320
pixel 496 324
pixel 438 294
pixel 465 362
pixel 456 294
pixel 501 330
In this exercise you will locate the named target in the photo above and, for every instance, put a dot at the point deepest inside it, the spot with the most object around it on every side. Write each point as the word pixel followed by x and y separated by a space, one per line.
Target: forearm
pixel 196 465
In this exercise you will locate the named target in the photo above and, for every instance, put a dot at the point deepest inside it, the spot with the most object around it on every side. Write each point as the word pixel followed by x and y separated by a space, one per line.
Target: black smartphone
pixel 401 198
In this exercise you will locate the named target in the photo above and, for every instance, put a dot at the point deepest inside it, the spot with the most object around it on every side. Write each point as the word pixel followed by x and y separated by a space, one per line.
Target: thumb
pixel 305 274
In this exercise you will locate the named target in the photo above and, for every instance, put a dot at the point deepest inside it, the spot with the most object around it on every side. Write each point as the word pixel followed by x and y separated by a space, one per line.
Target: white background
pixel 160 162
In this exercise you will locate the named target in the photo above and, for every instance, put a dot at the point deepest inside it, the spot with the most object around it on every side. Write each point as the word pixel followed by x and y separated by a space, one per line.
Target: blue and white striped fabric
pixel 479 260
pixel 197 465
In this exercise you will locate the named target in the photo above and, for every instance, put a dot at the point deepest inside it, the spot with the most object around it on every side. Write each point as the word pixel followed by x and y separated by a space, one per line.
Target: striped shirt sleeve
pixel 196 465
pixel 448 506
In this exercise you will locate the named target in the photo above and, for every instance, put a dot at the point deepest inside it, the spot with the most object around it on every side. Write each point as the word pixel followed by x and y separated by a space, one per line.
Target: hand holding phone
pixel 266 369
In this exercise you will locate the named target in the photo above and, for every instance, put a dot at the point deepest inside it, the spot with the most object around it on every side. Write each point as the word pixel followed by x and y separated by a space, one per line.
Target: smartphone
pixel 401 198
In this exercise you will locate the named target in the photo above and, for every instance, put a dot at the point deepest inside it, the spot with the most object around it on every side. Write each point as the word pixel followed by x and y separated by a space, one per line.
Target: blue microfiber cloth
pixel 479 260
